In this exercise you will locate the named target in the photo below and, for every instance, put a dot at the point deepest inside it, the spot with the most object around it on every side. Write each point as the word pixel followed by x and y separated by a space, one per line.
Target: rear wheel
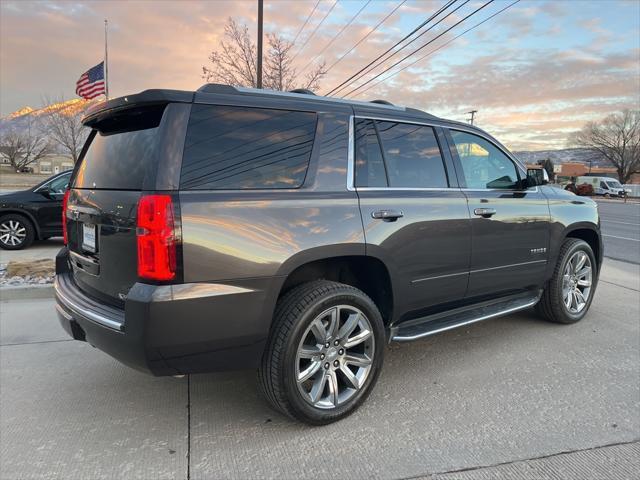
pixel 569 293
pixel 16 232
pixel 325 352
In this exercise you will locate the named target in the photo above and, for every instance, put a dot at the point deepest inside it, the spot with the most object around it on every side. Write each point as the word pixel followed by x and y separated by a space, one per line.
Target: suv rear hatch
pixel 132 152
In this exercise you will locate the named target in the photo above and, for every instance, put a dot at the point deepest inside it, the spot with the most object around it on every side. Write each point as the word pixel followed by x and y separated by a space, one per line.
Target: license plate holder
pixel 89 237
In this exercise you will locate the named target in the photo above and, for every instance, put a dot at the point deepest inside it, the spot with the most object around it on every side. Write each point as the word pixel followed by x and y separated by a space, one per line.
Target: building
pixel 565 171
pixel 47 165
pixel 53 163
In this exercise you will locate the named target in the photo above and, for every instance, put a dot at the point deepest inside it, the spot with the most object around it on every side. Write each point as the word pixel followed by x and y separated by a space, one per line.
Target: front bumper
pixel 170 329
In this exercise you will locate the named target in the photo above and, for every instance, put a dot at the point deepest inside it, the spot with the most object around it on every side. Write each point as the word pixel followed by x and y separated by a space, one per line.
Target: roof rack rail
pixel 299 93
pixel 304 91
pixel 382 102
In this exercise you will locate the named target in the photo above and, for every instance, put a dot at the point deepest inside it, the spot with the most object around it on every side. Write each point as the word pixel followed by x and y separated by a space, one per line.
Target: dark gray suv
pixel 233 228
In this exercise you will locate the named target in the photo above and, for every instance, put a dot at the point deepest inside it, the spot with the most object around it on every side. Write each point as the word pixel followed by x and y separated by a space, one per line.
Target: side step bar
pixel 440 322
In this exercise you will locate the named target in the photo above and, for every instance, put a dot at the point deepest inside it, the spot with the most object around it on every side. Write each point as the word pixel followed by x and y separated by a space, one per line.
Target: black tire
pixel 294 313
pixel 551 305
pixel 24 223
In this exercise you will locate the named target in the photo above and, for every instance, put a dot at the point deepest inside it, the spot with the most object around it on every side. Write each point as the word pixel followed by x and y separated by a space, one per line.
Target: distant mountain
pixel 567 155
pixel 19 118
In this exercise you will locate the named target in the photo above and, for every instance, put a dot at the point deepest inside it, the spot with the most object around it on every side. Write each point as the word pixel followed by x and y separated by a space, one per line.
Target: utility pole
pixel 259 68
pixel 473 115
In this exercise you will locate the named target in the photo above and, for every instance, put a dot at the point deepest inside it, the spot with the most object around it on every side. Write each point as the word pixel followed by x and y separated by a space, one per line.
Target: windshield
pixel 614 184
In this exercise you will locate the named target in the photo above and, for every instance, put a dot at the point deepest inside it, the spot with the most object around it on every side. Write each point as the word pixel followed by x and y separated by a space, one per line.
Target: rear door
pixel 415 218
pixel 129 152
pixel 510 224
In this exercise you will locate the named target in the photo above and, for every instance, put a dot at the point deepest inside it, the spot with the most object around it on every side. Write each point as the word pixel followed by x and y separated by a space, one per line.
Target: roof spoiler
pixel 103 109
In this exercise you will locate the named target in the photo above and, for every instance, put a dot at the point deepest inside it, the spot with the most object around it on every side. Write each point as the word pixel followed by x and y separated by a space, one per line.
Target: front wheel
pixel 325 352
pixel 568 295
pixel 16 232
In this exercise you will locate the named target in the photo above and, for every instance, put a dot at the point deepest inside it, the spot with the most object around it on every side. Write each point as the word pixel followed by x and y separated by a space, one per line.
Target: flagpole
pixel 106 62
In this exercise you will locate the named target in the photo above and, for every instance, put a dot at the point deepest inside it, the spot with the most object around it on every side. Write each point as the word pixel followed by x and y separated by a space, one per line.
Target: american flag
pixel 91 83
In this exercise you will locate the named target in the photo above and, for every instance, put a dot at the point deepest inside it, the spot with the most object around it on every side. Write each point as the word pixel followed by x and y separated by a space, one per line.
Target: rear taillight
pixel 156 238
pixel 65 201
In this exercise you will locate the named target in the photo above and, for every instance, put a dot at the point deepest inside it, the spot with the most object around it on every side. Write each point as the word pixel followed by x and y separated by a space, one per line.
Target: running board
pixel 440 322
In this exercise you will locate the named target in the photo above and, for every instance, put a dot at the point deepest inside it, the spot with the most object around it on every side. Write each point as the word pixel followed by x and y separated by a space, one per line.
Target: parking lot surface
pixel 40 249
pixel 510 397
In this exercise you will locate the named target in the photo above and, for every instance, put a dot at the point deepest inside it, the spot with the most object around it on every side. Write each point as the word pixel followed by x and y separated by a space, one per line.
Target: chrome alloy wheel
pixel 12 233
pixel 335 356
pixel 576 282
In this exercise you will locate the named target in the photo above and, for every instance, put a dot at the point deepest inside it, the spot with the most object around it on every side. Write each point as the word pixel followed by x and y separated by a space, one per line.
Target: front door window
pixel 484 166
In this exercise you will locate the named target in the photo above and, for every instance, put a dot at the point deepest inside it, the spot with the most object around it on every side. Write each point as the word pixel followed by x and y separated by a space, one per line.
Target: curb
pixel 632 201
pixel 29 292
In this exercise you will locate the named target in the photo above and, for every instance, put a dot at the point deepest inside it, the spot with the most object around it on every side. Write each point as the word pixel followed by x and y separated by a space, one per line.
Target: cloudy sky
pixel 535 72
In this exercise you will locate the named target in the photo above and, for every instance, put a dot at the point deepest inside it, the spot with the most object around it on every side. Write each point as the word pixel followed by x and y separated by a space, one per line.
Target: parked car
pixel 605 186
pixel 233 228
pixel 33 214
pixel 584 190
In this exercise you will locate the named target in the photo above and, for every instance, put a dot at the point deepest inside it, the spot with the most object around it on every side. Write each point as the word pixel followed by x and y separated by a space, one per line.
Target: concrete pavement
pixel 511 397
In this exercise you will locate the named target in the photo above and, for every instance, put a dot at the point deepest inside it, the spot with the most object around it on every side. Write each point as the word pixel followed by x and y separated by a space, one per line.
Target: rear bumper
pixel 171 329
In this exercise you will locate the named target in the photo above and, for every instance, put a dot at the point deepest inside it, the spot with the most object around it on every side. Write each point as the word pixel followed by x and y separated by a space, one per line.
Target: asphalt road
pixel 514 397
pixel 620 229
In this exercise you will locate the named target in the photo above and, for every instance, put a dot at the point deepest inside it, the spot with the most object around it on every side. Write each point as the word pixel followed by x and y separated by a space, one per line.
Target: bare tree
pixel 235 62
pixel 617 138
pixel 24 146
pixel 63 124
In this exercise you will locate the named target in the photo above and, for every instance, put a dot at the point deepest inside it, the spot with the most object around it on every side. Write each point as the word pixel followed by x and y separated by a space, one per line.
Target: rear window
pixel 246 148
pixel 122 153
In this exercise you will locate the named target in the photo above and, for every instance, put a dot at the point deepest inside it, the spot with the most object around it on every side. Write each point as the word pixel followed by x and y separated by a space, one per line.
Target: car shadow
pixel 233 397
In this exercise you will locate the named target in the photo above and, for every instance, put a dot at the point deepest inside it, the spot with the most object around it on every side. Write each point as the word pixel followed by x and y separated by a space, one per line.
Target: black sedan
pixel 33 214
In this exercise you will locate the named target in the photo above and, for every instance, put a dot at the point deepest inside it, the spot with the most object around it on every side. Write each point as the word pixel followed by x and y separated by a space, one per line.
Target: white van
pixel 607 186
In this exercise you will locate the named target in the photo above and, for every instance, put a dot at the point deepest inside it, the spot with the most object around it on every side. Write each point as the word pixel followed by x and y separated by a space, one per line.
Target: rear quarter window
pixel 246 148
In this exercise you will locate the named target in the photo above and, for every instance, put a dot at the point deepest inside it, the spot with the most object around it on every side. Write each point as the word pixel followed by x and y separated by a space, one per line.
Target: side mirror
pixel 45 191
pixel 537 176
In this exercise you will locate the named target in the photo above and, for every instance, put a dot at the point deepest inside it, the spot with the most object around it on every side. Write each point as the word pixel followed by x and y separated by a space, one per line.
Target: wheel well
pixel 588 236
pixel 365 273
pixel 34 224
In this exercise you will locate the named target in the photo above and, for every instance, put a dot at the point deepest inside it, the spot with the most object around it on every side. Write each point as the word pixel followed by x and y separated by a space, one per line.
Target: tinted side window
pixel 483 164
pixel 60 184
pixel 369 164
pixel 412 156
pixel 244 148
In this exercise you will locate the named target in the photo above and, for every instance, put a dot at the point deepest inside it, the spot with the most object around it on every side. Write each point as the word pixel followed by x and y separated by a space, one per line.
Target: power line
pixel 336 35
pixel 408 43
pixel 392 47
pixel 436 49
pixel 305 22
pixel 315 30
pixel 367 35
pixel 420 48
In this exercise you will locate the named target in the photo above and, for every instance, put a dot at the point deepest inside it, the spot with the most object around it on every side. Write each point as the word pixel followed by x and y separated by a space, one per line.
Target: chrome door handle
pixel 485 212
pixel 387 215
